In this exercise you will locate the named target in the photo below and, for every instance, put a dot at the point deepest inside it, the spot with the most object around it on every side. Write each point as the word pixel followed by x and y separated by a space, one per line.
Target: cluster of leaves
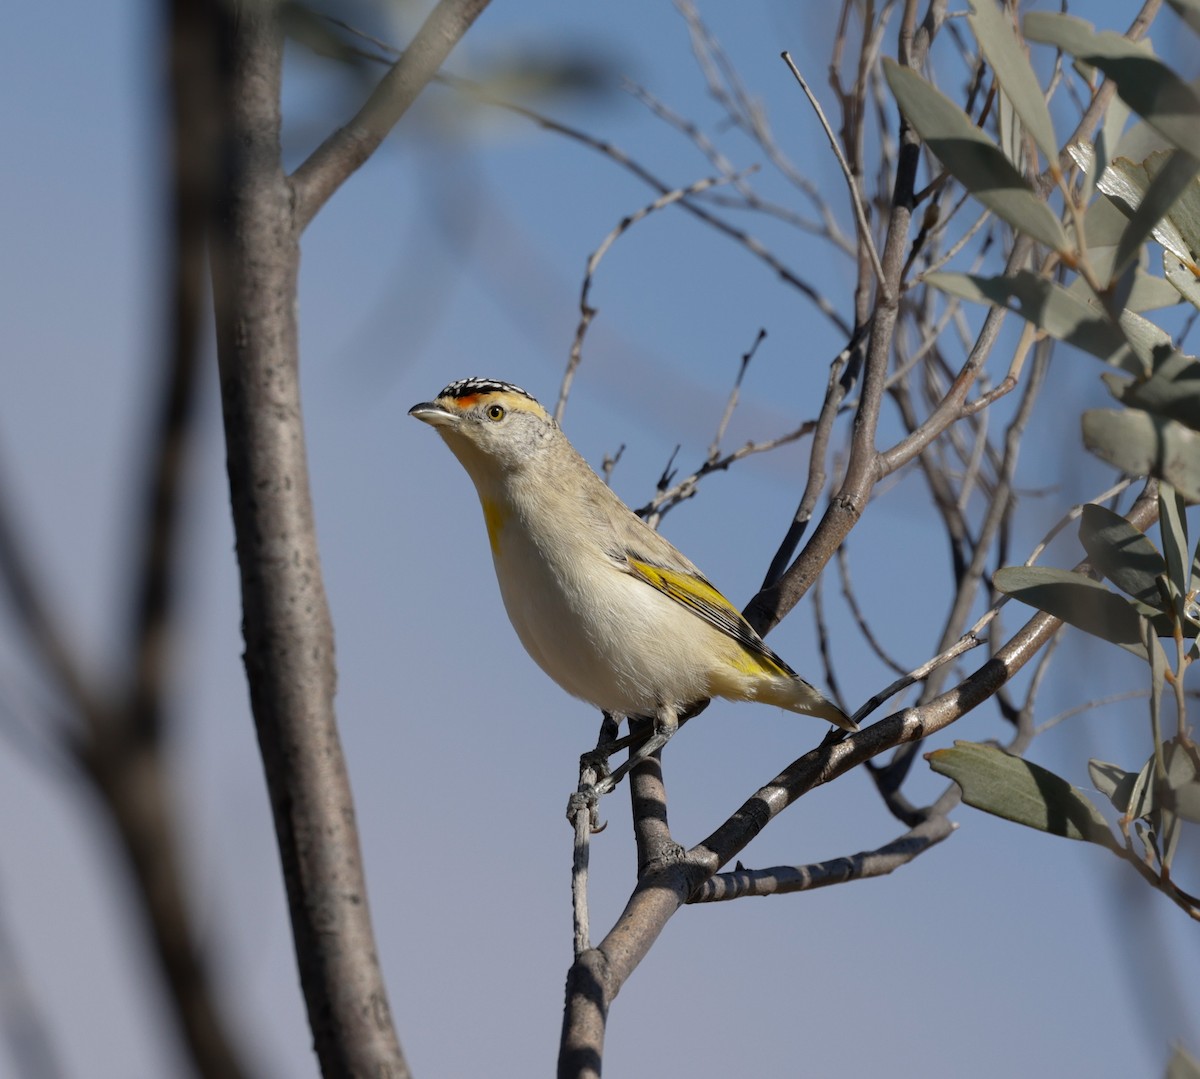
pixel 1159 601
pixel 1091 288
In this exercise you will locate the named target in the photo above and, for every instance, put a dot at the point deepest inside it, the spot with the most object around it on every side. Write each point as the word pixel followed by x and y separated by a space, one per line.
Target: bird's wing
pixel 691 590
pixel 643 553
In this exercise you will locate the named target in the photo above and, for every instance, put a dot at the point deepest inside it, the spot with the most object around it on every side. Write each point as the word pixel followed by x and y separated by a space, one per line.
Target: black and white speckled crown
pixel 467 387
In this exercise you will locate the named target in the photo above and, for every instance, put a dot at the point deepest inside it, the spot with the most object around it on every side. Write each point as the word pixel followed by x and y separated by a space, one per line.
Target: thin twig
pixel 860 619
pixel 714 448
pixel 586 311
pixel 965 643
pixel 843 372
pixel 1087 706
pixel 860 213
pixel 668 497
pixel 337 158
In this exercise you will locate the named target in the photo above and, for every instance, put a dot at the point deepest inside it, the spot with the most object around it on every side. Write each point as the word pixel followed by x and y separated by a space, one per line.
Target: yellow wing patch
pixel 699 597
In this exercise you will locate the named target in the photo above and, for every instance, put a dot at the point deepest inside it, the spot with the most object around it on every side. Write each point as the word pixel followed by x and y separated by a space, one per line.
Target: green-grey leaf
pixel 1145 445
pixel 1114 783
pixel 1107 139
pixel 1158 193
pixel 1183 777
pixel 1051 308
pixel 1145 84
pixel 1123 554
pixel 1147 292
pixel 1012 788
pixel 972 158
pixel 1009 130
pixel 998 40
pixel 1078 600
pixel 1172 523
pixel 1141 798
pixel 1172 391
pixel 1170 180
pixel 1149 342
pixel 1182 221
pixel 1103 220
pixel 1151 293
pixel 1158 676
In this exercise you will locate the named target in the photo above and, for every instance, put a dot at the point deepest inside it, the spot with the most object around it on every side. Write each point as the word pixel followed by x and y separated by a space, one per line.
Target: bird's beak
pixel 432 413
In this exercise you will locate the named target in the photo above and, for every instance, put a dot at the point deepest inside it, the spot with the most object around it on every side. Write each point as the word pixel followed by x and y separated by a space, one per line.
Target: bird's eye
pixel 496 412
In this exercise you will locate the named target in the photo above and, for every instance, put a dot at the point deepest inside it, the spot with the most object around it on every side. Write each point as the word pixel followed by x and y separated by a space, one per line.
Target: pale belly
pixel 625 648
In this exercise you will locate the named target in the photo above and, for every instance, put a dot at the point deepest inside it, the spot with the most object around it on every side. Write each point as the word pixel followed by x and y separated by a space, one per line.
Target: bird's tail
pixel 796 695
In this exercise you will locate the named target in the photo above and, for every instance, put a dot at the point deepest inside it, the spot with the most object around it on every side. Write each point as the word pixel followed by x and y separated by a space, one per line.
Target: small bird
pixel 606 606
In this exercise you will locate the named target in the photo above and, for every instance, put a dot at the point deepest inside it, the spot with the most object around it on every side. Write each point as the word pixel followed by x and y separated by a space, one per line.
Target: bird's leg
pixel 609 744
pixel 596 760
pixel 666 723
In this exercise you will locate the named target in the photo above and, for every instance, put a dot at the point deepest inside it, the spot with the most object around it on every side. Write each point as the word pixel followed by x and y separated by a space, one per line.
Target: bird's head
pixel 494 428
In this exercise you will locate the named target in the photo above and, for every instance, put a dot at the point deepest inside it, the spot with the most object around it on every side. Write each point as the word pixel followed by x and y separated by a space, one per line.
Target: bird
pixel 604 604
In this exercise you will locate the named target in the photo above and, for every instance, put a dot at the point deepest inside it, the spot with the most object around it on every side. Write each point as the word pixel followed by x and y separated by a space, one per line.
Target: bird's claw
pixel 586 800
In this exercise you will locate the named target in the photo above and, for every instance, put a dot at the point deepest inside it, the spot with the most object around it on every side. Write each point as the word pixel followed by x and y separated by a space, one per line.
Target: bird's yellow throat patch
pixel 495 516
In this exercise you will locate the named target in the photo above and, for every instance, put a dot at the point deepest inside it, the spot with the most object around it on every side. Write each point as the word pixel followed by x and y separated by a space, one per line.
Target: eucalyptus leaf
pixel 1145 84
pixel 1108 139
pixel 1170 828
pixel 1012 788
pixel 1114 783
pixel 1146 833
pixel 972 158
pixel 1183 777
pixel 1157 195
pixel 1141 798
pixel 1104 220
pixel 1172 177
pixel 1003 50
pixel 1126 183
pixel 1009 130
pixel 1145 445
pixel 1051 308
pixel 1172 523
pixel 1123 554
pixel 1077 600
pixel 1148 341
pixel 1184 217
pixel 1146 292
pixel 1173 391
pixel 1158 678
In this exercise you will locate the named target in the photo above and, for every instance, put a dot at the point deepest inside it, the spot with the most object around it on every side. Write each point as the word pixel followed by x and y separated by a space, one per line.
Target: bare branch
pixel 331 163
pixel 843 372
pixel 289 653
pixel 784 880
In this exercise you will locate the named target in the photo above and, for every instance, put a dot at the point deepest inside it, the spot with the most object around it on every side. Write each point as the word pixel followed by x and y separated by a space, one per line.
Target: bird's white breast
pixel 600 633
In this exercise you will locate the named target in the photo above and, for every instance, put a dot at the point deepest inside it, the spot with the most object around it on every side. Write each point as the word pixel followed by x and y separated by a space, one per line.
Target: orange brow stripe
pixel 468 401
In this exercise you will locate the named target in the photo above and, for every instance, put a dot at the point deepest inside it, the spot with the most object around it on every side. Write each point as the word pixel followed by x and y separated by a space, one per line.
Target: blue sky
pixel 1002 952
